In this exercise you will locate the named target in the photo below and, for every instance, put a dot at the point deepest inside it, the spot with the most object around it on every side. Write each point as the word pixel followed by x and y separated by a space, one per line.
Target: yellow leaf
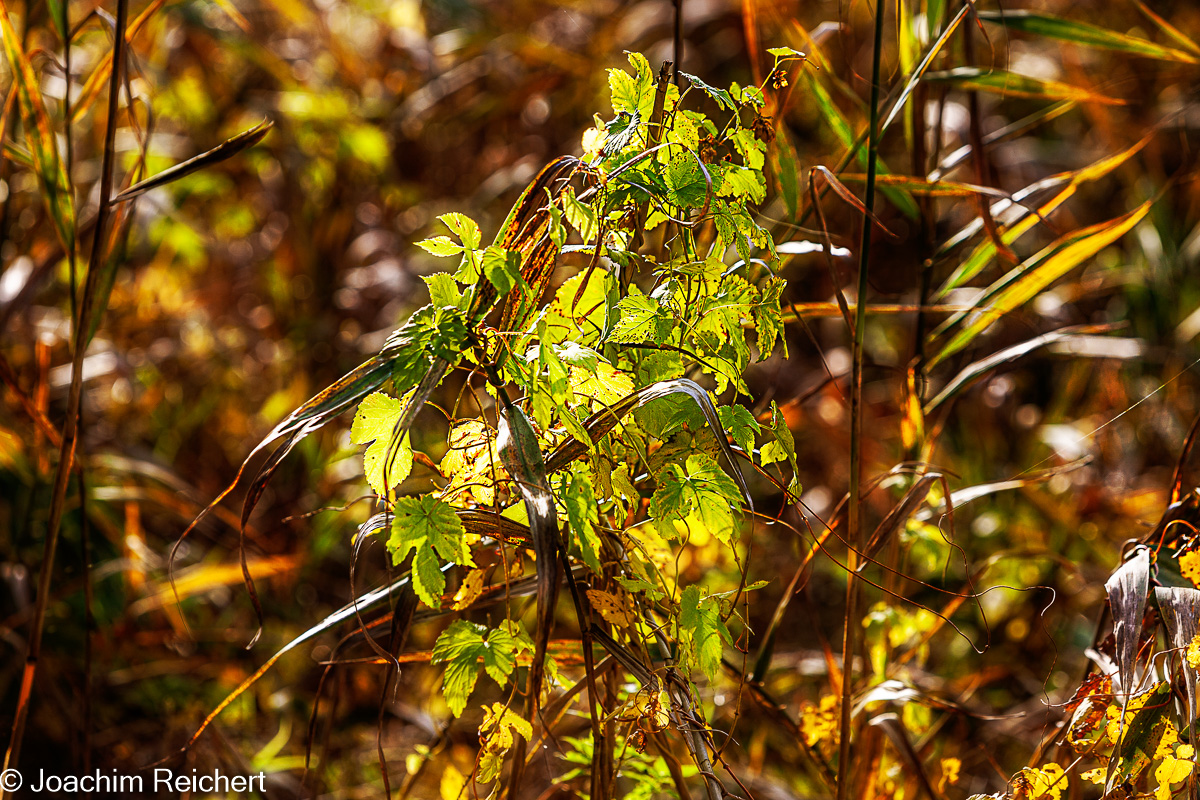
pixel 1189 567
pixel 950 770
pixel 453 783
pixel 1048 782
pixel 468 593
pixel 604 384
pixel 615 610
pixel 1193 651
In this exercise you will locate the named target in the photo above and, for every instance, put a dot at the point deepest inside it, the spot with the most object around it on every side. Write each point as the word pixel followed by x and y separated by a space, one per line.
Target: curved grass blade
pixel 1066 30
pixel 309 417
pixel 1038 272
pixel 972 493
pixel 522 457
pixel 48 165
pixel 1127 590
pixel 841 191
pixel 226 149
pixel 977 369
pixel 1011 84
pixel 845 133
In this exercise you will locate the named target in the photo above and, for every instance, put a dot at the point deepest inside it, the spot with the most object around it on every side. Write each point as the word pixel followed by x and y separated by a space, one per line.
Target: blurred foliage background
pixel 246 287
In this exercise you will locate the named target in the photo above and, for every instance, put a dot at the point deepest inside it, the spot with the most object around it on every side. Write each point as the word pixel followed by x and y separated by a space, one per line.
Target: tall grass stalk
pixel 849 637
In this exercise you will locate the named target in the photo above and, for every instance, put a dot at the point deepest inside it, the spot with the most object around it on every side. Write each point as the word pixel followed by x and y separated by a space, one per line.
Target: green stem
pixel 849 639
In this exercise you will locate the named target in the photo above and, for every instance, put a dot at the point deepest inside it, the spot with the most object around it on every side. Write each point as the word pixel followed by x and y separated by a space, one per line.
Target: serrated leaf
pixel 722 97
pixel 443 289
pixel 429 528
pixel 461 647
pixel 702 630
pixel 579 498
pixel 687 186
pixel 464 228
pixel 697 493
pixel 374 422
pixel 741 426
pixel 441 246
pixel 640 319
pixel 502 268
pixel 782 449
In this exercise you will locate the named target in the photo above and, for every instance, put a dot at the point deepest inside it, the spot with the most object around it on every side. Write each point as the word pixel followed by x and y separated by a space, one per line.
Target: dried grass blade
pixel 599 424
pixel 226 149
pixel 840 189
pixel 1127 590
pixel 343 614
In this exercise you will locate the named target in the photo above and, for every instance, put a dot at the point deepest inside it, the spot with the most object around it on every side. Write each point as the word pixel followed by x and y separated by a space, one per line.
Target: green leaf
pixel 464 227
pixel 741 183
pixel 633 93
pixel 703 632
pixel 721 96
pixel 461 647
pixel 582 514
pixel 741 426
pixel 697 494
pixel 1067 30
pixel 768 318
pixel 640 319
pixel 430 529
pixel 785 52
pixel 687 186
pixel 502 268
pixel 429 333
pixel 441 246
pixel 374 422
pixel 783 449
pixel 443 289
